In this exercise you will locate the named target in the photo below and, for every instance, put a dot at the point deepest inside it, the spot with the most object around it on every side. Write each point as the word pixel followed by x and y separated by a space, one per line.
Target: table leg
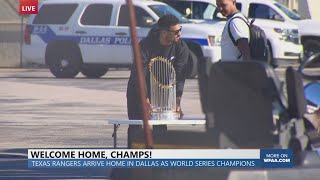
pixel 114 136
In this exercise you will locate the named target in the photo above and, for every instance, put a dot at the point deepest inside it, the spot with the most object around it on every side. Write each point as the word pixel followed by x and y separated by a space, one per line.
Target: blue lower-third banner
pixel 156 158
pixel 147 163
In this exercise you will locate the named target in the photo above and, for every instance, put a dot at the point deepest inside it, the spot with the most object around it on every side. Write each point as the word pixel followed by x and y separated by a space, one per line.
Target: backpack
pixel 258 41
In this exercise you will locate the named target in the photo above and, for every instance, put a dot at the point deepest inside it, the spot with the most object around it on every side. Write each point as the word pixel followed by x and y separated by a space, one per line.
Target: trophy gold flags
pixel 162 89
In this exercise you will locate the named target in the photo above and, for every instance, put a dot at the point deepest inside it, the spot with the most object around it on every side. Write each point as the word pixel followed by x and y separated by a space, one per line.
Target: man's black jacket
pixel 150 47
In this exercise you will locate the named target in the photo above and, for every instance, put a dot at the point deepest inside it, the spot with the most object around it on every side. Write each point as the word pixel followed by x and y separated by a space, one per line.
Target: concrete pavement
pixel 40 111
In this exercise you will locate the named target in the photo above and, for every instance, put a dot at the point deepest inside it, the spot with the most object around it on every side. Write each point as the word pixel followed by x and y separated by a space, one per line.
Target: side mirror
pixel 148 22
pixel 308 67
pixel 220 16
pixel 188 13
pixel 277 17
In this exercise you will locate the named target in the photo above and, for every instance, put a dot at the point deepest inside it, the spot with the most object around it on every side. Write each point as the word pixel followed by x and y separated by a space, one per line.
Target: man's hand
pixel 149 105
pixel 243 45
pixel 180 112
pixel 178 108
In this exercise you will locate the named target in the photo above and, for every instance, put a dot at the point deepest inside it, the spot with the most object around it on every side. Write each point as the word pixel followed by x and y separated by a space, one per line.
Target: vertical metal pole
pixel 21 40
pixel 141 79
pixel 114 136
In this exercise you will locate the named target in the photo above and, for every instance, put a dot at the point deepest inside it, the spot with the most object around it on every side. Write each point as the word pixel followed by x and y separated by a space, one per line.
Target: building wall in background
pixel 314 6
pixel 10 34
pixel 306 8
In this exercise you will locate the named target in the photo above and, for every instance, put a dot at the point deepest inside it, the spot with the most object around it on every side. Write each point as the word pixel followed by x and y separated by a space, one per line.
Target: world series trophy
pixel 162 89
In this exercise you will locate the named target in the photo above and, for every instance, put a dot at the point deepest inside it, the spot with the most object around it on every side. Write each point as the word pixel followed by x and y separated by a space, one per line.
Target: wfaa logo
pixel 28 7
pixel 274 158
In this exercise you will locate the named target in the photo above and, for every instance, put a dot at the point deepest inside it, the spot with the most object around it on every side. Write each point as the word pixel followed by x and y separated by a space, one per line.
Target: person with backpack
pixel 235 28
pixel 242 39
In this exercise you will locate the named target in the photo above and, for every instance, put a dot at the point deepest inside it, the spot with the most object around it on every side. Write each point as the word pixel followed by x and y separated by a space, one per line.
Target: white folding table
pixel 117 122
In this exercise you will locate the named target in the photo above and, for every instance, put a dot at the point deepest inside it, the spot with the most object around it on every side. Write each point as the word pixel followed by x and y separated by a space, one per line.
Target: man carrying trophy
pixel 164 57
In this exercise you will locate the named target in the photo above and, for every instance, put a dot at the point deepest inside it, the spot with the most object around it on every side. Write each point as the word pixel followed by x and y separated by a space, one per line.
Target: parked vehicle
pixel 275 11
pixel 283 37
pixel 93 35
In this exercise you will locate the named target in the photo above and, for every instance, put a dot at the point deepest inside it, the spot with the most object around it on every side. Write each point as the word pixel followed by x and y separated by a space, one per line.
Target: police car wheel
pixel 93 71
pixel 64 63
pixel 192 69
pixel 311 47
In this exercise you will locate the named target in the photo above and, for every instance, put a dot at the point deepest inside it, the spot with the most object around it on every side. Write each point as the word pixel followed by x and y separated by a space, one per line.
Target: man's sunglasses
pixel 176 32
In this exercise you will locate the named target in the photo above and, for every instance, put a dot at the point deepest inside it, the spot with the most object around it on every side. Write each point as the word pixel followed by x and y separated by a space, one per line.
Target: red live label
pixel 28 7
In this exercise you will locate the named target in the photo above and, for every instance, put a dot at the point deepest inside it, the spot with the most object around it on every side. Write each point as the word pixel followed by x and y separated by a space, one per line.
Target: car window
pixel 162 10
pixel 203 10
pixel 143 18
pixel 184 7
pixel 97 15
pixel 288 12
pixel 193 9
pixel 263 12
pixel 54 13
pixel 239 6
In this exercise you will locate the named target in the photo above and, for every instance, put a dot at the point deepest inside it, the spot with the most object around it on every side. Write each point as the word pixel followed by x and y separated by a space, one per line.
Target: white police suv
pixel 283 37
pixel 90 36
pixel 274 11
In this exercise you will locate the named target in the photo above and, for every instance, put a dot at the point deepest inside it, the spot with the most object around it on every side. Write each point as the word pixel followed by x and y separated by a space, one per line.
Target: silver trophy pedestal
pixel 164 115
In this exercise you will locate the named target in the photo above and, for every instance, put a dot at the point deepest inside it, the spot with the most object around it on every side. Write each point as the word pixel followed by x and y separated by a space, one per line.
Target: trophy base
pixel 164 115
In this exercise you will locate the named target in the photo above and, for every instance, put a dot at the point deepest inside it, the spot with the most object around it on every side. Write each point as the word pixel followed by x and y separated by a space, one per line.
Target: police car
pixel 275 12
pixel 90 36
pixel 283 37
